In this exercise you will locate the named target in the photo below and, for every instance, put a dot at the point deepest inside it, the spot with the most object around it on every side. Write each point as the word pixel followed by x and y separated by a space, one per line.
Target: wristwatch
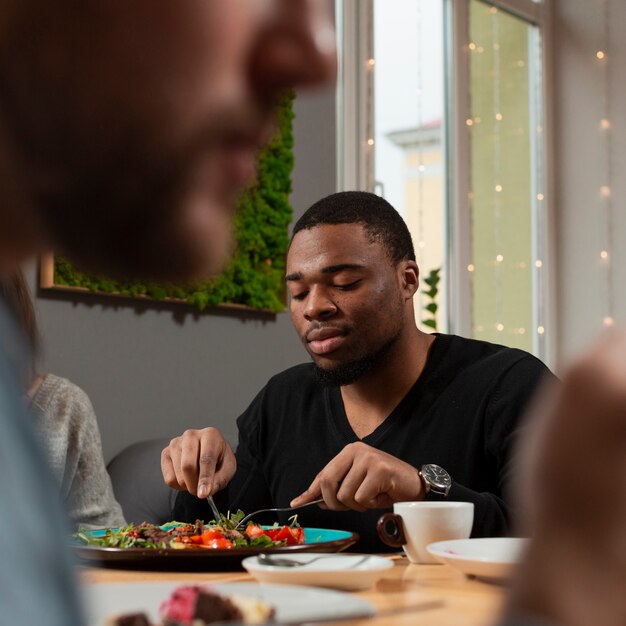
pixel 435 479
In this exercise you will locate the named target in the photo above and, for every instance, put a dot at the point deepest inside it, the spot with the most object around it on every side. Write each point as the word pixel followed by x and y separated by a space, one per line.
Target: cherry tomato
pixel 252 530
pixel 298 535
pixel 210 535
pixel 220 544
pixel 291 536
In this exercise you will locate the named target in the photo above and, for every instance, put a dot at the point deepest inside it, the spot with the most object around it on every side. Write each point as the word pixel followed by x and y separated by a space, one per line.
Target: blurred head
pixel 132 127
pixel 351 275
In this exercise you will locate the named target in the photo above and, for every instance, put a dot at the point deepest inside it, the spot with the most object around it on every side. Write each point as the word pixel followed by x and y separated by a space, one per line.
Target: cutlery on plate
pixel 276 510
pixel 216 513
pixel 279 561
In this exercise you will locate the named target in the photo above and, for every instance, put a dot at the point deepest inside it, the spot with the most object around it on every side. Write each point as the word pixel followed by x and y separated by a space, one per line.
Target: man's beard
pixel 350 372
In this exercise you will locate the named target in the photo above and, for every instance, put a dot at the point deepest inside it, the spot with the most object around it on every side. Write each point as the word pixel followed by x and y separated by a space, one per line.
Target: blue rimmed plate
pixel 200 559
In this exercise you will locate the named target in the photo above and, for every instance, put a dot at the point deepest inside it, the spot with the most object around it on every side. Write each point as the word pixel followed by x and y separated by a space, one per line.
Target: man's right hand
pixel 199 461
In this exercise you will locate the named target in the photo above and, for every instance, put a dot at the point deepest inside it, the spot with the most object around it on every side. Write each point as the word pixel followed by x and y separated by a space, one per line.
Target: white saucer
pixel 492 558
pixel 348 572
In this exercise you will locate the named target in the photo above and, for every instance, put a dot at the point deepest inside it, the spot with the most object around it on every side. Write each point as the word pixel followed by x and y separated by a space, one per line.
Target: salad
pixel 221 535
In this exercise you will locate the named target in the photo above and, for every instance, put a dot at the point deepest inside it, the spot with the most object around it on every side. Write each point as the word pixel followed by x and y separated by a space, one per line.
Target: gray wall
pixel 153 371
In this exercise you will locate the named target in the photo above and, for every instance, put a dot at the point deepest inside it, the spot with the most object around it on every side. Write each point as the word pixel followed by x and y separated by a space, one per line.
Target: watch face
pixel 437 476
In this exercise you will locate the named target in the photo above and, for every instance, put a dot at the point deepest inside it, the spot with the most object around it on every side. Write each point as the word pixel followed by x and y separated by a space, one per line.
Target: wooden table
pixel 465 602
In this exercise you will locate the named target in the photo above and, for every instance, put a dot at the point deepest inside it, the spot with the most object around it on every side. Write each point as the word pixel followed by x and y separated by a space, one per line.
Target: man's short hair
pixel 382 223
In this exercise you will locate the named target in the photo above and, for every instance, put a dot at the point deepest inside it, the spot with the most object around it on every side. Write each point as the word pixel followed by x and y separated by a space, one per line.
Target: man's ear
pixel 410 277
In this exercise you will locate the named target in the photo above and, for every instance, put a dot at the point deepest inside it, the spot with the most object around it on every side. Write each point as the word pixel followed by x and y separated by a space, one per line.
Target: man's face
pixel 346 301
pixel 136 124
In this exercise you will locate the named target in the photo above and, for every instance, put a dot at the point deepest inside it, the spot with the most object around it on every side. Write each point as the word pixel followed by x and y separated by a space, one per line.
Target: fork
pixel 276 510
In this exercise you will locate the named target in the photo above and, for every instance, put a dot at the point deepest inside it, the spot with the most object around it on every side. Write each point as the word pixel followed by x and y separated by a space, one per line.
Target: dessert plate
pixel 492 559
pixel 349 572
pixel 292 604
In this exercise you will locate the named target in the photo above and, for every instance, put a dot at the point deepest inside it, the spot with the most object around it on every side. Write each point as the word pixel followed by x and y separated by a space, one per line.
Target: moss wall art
pixel 254 278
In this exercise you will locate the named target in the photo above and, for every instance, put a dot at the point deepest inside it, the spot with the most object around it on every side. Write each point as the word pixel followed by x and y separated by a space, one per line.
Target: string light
pixel 370 122
pixel 497 128
pixel 493 115
pixel 420 122
pixel 605 192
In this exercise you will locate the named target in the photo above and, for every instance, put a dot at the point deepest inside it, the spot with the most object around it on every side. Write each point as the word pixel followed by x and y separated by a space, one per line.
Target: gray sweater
pixel 67 426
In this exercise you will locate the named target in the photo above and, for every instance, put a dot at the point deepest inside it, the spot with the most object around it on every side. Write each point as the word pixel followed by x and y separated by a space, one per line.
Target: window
pixel 441 113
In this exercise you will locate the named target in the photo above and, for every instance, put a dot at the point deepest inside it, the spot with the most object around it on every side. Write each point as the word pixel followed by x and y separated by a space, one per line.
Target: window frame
pixel 355 162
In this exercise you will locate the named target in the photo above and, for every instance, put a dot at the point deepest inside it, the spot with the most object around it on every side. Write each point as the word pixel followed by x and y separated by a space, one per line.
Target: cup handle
pixel 390 529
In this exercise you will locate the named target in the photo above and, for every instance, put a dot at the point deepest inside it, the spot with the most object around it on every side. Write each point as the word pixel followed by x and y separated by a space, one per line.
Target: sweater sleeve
pixel 509 401
pixel 69 431
pixel 90 499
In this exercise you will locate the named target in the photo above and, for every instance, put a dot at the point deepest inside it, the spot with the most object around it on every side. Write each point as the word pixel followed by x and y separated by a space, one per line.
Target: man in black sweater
pixel 385 413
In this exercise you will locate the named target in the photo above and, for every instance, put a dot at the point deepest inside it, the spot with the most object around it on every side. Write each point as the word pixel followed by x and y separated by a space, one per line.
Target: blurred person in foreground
pixel 66 425
pixel 127 130
pixel 572 487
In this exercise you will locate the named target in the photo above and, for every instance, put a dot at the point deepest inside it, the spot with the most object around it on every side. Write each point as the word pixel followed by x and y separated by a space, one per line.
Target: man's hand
pixel 574 481
pixel 199 461
pixel 361 477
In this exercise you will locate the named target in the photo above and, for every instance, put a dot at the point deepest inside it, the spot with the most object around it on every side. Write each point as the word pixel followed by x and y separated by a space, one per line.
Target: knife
pixel 216 513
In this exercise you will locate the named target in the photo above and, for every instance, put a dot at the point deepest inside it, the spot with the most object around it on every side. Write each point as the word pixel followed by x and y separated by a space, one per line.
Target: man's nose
pixel 319 305
pixel 298 48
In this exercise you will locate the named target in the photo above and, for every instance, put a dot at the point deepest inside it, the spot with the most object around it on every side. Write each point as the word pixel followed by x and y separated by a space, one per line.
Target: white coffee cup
pixel 414 525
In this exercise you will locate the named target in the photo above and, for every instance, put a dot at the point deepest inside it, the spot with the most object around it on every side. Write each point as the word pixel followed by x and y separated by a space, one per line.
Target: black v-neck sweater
pixel 462 413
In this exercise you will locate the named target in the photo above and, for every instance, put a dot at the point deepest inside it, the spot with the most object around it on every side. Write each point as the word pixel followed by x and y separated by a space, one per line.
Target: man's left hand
pixel 361 477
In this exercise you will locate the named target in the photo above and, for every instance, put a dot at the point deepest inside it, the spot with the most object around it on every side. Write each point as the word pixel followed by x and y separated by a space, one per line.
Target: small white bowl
pixel 491 559
pixel 349 572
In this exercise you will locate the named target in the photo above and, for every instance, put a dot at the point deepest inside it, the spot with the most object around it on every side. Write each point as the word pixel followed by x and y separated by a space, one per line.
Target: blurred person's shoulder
pixel 58 391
